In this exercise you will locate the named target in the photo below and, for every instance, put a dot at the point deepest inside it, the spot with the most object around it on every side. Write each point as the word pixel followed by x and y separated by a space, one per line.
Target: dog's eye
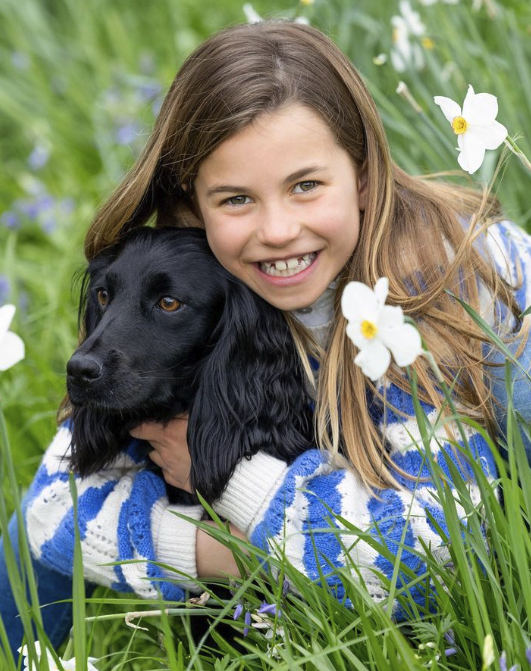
pixel 169 304
pixel 103 297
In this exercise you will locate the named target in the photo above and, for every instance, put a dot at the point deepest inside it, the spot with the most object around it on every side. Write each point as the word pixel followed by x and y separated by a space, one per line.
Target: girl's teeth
pixel 289 267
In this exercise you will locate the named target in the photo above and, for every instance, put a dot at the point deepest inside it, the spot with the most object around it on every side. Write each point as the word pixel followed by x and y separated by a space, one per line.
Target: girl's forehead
pixel 283 139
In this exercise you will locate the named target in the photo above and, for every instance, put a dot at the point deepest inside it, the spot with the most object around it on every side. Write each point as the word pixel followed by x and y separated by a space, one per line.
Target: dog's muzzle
pixel 83 373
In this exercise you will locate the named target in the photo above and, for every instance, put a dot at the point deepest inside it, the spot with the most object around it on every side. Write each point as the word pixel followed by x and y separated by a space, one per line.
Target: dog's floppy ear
pixel 87 317
pixel 251 394
pixel 95 436
pixel 95 441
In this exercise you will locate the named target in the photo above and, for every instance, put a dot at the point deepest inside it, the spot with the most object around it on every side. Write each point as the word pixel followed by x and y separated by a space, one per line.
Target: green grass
pixel 78 77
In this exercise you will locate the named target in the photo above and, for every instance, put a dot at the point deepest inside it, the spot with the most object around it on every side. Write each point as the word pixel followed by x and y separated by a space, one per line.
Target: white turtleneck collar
pixel 318 316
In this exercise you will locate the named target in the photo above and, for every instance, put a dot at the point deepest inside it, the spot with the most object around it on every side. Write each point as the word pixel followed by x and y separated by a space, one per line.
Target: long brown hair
pixel 411 230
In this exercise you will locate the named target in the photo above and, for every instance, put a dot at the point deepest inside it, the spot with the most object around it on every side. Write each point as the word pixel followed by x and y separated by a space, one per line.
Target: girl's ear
pixel 362 186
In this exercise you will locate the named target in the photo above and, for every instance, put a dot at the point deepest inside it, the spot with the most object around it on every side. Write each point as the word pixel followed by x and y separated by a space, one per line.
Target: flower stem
pixel 446 392
pixel 69 646
pixel 511 144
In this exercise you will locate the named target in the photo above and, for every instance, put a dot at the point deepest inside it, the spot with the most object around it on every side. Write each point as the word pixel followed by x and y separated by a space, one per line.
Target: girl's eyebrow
pixel 298 174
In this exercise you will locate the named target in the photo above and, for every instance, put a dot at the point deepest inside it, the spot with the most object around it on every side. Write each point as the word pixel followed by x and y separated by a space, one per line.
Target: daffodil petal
pixel 480 108
pixel 472 154
pixel 381 289
pixel 7 312
pixel 491 136
pixel 469 95
pixel 397 61
pixel 70 665
pixel 449 107
pixel 353 331
pixel 374 360
pixel 11 350
pixel 358 302
pixel 406 344
pixel 391 317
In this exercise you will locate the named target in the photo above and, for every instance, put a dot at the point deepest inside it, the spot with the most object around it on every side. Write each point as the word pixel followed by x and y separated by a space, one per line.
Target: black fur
pixel 225 356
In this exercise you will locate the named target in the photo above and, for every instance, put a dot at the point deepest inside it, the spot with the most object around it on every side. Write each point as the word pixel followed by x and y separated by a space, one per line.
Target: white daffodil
pixel 11 345
pixel 251 14
pixel 378 330
pixel 68 665
pixel 475 126
pixel 405 52
pixel 488 652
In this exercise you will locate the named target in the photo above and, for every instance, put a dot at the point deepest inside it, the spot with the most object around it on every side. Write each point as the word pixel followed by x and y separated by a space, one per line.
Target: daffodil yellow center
pixel 368 329
pixel 459 125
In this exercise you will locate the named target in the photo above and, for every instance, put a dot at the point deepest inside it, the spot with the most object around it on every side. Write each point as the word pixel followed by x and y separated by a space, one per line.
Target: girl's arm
pixel 278 507
pixel 123 514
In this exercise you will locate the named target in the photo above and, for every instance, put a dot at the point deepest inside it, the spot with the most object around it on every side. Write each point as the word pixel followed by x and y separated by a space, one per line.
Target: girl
pixel 270 141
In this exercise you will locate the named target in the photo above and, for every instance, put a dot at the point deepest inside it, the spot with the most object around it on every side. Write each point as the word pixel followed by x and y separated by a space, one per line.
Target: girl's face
pixel 281 201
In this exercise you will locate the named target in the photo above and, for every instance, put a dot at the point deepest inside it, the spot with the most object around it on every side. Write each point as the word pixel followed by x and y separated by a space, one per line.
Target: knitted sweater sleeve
pixel 123 514
pixel 277 507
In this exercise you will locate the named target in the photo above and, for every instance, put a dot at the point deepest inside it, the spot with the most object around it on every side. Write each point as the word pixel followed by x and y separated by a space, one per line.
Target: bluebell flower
pixel 149 90
pixel 36 207
pixel 528 654
pixel 237 611
pixel 39 157
pixel 285 585
pixel 5 288
pixel 503 661
pixel 247 622
pixel 128 132
pixel 269 608
pixel 10 219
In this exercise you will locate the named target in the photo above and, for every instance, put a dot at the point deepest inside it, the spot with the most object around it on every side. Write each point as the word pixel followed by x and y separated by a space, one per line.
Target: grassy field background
pixel 80 85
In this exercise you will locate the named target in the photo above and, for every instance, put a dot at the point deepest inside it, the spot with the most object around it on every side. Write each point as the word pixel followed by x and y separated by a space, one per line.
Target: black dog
pixel 169 330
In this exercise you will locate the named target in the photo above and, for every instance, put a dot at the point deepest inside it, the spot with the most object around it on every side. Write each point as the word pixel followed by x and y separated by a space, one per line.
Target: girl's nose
pixel 278 227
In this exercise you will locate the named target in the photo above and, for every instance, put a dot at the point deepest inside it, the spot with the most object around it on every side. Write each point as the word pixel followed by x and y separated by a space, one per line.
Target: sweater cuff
pixel 175 543
pixel 250 490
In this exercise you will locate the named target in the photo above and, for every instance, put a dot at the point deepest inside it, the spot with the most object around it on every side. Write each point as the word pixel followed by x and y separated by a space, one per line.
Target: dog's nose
pixel 84 367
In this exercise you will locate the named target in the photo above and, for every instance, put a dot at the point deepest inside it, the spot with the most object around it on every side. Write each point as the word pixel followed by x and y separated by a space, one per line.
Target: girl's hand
pixel 170 449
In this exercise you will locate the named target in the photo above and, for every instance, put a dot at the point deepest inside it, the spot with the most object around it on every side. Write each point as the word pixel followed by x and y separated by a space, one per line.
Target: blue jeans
pixel 521 389
pixel 51 586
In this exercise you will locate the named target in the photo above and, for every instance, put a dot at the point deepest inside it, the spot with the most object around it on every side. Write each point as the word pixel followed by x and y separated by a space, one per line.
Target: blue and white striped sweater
pixel 124 514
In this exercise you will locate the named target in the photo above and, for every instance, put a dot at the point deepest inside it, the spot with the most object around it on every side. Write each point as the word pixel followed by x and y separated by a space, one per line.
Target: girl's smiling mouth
pixel 292 267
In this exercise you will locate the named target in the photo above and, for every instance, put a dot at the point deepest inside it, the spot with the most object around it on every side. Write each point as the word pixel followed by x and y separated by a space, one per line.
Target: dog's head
pixel 151 305
pixel 168 330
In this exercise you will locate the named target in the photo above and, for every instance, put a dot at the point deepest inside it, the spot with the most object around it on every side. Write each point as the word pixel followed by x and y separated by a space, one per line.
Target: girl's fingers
pixel 153 431
pixel 146 431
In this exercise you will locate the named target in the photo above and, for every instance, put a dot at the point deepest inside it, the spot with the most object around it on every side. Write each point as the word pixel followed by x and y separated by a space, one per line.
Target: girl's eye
pixel 169 304
pixel 103 297
pixel 306 186
pixel 236 200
